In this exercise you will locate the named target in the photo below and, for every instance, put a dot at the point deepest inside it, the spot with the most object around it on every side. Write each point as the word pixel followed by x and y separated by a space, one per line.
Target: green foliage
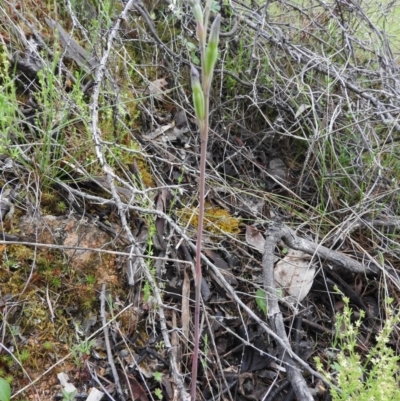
pixel 191 48
pixel 7 360
pixel 61 207
pixel 48 345
pixel 49 123
pixel 5 390
pixel 358 377
pixel 81 351
pixel 237 60
pixel 8 106
pixel 90 279
pixel 147 292
pixel 206 349
pixel 24 355
pixel 215 7
pixel 11 264
pixel 68 396
pixel 261 300
pixel 157 377
pixel 152 232
pixel 158 393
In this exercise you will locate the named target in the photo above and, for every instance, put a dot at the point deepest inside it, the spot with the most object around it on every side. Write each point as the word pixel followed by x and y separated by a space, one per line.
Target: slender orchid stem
pixel 201 100
pixel 198 277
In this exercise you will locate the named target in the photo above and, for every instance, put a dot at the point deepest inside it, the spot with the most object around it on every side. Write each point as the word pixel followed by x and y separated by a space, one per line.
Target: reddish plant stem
pixel 203 125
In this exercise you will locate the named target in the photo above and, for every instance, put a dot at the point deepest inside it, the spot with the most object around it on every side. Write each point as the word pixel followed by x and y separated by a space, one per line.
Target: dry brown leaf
pixel 255 239
pixel 216 259
pixel 295 274
pixel 136 389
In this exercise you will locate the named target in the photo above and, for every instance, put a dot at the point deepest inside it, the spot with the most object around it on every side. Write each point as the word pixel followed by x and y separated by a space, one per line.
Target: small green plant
pixel 157 377
pixel 11 264
pixel 8 106
pixel 152 230
pixel 81 352
pixel 24 355
pixel 261 300
pixel 374 377
pixel 56 282
pixel 158 393
pixel 61 207
pixel 68 396
pixel 7 360
pixel 206 349
pixel 191 48
pixel 90 279
pixel 48 149
pixel 5 390
pixel 48 345
pixel 147 292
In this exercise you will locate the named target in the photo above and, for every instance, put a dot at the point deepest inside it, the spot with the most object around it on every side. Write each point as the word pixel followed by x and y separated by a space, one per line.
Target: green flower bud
pixel 198 13
pixel 212 48
pixel 214 31
pixel 198 95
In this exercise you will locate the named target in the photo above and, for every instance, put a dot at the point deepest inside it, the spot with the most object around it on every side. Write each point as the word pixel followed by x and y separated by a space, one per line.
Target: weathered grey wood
pixel 274 315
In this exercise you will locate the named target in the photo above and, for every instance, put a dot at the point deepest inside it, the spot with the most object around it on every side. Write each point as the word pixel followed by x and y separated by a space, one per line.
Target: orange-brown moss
pixel 147 178
pixel 216 219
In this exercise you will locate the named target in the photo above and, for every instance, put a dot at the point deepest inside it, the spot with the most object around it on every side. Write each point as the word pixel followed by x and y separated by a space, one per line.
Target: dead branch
pixel 337 258
pixel 275 318
pixel 107 342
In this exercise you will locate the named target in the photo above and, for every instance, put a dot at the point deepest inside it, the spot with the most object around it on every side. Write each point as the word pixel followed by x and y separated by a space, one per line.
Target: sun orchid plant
pixel 201 100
